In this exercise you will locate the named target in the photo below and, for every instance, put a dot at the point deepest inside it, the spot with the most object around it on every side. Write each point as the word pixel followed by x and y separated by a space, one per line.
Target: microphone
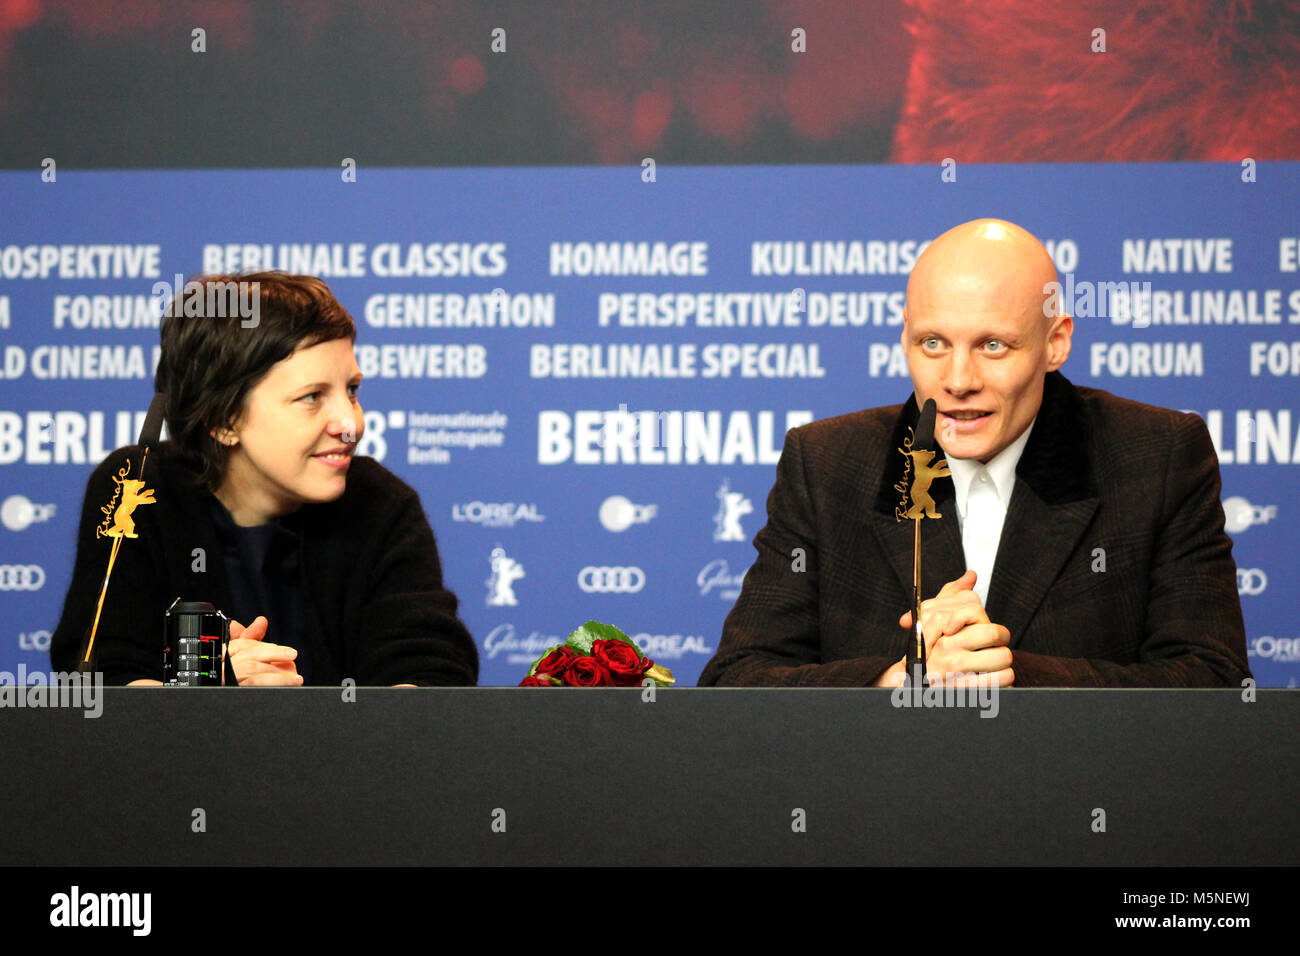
pixel 923 437
pixel 153 422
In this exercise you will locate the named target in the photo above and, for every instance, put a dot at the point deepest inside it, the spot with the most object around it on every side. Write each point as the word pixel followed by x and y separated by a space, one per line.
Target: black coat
pixel 371 579
pixel 1100 478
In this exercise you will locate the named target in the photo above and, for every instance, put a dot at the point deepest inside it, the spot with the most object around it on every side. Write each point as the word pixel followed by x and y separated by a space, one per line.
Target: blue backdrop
pixel 530 489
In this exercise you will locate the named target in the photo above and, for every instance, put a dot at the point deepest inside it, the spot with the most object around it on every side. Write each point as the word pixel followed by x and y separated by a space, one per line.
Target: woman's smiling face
pixel 292 443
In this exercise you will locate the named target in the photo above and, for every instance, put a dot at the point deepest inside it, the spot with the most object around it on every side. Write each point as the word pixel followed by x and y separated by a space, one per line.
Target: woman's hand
pixel 259 663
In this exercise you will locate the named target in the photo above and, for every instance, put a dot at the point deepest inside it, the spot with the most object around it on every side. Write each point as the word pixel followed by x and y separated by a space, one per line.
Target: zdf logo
pixel 611 580
pixel 18 512
pixel 21 577
pixel 1239 514
pixel 1251 581
pixel 617 513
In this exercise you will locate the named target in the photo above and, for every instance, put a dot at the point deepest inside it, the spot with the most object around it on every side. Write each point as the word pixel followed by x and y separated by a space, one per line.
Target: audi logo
pixel 1251 581
pixel 21 577
pixel 607 580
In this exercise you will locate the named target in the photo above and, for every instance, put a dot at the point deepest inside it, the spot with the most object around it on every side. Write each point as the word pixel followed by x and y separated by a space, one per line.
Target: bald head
pixel 978 334
pixel 983 264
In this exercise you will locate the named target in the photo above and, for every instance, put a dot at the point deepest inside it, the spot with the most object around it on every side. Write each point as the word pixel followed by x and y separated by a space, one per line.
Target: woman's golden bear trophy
pixel 119 523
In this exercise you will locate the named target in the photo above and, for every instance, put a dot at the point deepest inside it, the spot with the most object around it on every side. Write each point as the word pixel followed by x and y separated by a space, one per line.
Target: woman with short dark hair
pixel 261 509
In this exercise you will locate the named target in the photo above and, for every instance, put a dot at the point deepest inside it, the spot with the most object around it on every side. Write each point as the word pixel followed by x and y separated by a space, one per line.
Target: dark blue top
pixel 264 573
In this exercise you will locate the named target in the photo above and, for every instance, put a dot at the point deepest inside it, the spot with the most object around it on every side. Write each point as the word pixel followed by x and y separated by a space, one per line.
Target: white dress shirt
pixel 983 494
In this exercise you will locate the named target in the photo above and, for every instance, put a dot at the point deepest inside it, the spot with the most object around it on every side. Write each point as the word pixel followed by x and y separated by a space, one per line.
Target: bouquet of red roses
pixel 595 655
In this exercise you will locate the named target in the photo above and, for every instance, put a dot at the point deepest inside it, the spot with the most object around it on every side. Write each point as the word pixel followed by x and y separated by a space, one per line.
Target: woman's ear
pixel 225 435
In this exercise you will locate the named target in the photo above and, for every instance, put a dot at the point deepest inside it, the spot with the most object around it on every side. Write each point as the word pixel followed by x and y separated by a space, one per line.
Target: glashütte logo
pixel 18 512
pixel 716 576
pixel 495 514
pixel 732 506
pixel 503 639
pixel 76 908
pixel 1239 514
pixel 505 572
pixel 611 580
pixel 618 513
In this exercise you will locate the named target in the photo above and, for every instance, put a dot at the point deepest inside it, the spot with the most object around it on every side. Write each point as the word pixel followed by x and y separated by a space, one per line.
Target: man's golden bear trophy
pixel 918 474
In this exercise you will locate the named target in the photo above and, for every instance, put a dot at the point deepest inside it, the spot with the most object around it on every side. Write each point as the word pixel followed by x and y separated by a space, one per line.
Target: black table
pixel 420 776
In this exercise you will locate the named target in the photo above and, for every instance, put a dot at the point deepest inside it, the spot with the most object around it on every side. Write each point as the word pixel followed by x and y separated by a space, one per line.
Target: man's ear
pixel 1058 342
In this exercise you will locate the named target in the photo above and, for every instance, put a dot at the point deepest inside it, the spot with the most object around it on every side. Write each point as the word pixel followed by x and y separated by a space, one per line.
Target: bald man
pixel 1081 538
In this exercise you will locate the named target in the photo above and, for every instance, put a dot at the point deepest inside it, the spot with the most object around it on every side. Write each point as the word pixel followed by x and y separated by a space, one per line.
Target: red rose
pixel 534 681
pixel 587 672
pixel 557 662
pixel 624 663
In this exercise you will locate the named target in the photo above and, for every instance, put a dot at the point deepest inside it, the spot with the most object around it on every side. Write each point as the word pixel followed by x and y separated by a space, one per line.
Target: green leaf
pixel 582 639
